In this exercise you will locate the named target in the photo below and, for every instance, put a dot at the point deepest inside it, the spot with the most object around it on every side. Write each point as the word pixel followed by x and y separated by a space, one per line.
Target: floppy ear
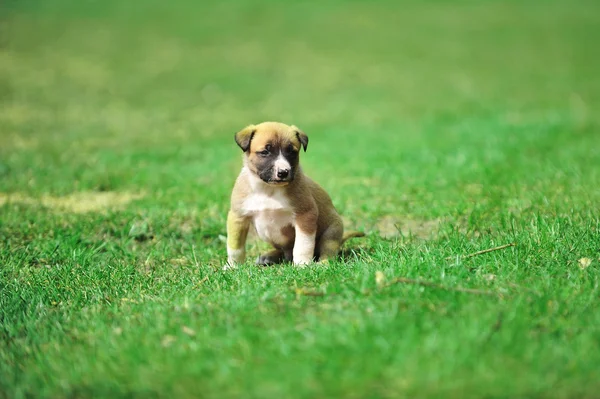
pixel 301 136
pixel 244 137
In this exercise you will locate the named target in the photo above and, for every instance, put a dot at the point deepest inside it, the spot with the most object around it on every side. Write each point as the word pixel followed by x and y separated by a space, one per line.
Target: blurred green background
pixel 438 127
pixel 111 86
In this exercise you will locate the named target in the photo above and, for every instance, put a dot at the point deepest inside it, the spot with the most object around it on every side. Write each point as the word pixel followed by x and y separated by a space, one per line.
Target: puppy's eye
pixel 263 153
pixel 290 149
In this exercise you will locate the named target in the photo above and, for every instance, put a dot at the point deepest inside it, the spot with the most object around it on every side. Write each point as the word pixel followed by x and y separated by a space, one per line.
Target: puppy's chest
pixel 272 217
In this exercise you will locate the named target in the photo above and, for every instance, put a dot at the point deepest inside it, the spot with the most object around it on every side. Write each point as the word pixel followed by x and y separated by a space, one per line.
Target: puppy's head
pixel 271 150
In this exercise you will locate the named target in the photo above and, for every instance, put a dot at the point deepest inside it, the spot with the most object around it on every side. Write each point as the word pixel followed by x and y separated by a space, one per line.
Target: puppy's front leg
pixel 237 231
pixel 304 245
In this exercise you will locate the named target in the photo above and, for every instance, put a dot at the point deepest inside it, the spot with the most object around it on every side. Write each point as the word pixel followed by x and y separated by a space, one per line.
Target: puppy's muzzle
pixel 282 171
pixel 282 176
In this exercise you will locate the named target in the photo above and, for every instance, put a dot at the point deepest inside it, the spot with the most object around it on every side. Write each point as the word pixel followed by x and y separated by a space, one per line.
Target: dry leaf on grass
pixel 188 331
pixel 167 341
pixel 81 202
pixel 584 263
pixel 379 278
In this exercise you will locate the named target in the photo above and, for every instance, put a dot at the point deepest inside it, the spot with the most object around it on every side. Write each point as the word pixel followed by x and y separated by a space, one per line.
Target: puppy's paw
pixel 301 264
pixel 270 258
pixel 265 261
pixel 229 266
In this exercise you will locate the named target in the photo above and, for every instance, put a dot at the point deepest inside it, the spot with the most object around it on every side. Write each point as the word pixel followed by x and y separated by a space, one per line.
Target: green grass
pixel 439 129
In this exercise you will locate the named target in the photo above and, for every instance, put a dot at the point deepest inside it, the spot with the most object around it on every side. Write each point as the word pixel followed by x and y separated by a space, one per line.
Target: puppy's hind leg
pixel 272 257
pixel 330 242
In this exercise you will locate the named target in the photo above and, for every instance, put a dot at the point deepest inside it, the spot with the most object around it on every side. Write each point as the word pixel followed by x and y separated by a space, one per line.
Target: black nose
pixel 283 173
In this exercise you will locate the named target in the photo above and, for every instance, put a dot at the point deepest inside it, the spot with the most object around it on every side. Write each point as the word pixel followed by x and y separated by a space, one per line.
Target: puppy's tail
pixel 351 234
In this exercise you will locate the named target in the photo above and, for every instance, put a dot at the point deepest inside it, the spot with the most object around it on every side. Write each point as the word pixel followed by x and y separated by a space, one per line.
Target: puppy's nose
pixel 283 173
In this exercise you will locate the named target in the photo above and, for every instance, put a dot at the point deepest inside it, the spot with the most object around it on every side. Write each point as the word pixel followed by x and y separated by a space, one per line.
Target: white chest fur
pixel 271 214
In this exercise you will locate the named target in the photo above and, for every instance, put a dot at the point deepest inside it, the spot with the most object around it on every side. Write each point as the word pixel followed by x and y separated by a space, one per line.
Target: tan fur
pixel 315 229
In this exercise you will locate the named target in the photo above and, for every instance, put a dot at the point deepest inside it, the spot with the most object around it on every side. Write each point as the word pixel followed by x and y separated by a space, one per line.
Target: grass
pixel 439 129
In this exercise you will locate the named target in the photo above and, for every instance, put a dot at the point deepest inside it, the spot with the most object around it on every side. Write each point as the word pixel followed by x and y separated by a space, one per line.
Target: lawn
pixel 440 129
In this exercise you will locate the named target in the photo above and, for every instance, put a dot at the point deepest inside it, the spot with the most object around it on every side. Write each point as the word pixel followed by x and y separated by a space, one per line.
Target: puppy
pixel 287 209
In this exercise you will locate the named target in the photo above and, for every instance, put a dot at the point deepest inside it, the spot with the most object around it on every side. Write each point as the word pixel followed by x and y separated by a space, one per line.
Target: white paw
pixel 229 266
pixel 302 263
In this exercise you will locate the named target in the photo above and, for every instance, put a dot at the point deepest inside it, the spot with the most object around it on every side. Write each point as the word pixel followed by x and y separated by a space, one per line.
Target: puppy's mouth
pixel 276 178
pixel 278 182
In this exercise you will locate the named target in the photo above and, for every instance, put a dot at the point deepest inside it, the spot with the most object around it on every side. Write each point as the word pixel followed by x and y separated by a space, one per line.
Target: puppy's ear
pixel 301 136
pixel 244 137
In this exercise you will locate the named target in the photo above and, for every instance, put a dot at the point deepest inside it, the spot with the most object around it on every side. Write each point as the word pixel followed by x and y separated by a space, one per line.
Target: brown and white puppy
pixel 288 210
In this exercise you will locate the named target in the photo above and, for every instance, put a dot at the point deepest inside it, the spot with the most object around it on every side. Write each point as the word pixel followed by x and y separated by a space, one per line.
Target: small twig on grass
pixel 313 293
pixel 520 287
pixel 204 279
pixel 484 251
pixel 423 283
pixel 495 328
pixel 194 254
pixel 302 291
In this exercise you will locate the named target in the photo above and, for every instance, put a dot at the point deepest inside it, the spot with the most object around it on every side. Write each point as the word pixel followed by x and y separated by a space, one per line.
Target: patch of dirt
pixel 392 226
pixel 82 202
